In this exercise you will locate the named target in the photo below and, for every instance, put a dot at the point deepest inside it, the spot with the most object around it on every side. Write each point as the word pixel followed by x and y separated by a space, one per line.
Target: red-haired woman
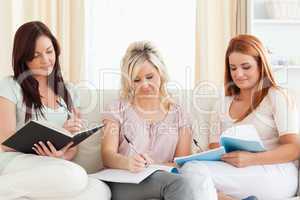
pixel 253 97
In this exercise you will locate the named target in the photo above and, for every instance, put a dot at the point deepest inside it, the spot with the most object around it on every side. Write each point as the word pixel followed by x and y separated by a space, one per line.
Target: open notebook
pixel 125 176
pixel 237 138
pixel 34 131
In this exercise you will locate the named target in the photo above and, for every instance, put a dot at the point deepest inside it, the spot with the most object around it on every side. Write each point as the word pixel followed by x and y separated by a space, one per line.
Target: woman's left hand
pixel 42 150
pixel 239 158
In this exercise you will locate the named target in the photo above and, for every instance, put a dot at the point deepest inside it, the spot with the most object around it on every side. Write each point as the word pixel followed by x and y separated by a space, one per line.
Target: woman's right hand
pixel 74 124
pixel 136 163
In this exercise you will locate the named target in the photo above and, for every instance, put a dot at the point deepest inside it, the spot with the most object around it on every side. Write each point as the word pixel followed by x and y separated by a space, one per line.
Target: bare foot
pixel 222 196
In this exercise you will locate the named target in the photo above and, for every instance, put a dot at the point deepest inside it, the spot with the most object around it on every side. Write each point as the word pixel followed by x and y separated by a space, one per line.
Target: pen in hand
pixel 73 124
pixel 197 144
pixel 132 147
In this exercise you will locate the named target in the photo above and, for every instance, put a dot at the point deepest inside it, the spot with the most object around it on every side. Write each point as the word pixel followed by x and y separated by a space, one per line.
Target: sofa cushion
pixel 92 103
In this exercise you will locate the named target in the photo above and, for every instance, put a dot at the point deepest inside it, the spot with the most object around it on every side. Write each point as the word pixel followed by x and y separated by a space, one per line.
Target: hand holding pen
pixel 139 161
pixel 74 123
pixel 197 145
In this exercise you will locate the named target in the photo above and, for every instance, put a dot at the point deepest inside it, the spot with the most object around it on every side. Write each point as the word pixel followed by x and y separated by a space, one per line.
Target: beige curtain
pixel 240 17
pixel 65 18
pixel 217 21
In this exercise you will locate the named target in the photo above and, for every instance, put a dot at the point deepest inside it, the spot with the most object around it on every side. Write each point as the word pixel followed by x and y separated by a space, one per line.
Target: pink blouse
pixel 158 140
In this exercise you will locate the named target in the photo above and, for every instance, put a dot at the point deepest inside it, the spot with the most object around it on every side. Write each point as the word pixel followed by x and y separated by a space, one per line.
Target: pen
pixel 66 109
pixel 197 144
pixel 132 147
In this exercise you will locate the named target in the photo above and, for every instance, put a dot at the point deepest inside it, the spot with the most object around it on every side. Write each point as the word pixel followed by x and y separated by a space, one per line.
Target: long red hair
pixel 252 46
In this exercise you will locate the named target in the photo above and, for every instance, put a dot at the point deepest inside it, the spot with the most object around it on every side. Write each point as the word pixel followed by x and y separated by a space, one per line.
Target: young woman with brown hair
pixel 37 91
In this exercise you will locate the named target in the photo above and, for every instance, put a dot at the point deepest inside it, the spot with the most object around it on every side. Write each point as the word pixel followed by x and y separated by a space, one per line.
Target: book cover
pixel 237 138
pixel 210 155
pixel 35 131
pixel 242 138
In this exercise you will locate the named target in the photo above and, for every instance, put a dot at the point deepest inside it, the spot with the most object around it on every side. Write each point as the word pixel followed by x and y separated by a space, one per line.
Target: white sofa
pixel 198 103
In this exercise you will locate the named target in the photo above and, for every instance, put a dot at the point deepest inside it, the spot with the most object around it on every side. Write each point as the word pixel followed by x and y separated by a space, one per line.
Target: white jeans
pixel 267 182
pixel 39 177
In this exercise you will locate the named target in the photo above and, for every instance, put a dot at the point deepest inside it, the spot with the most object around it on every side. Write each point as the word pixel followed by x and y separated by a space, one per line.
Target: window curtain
pixel 217 21
pixel 240 18
pixel 65 18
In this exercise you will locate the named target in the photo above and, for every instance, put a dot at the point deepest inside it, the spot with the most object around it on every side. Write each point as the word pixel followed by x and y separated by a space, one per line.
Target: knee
pixel 182 183
pixel 70 177
pixel 195 168
pixel 96 189
pixel 199 185
pixel 198 174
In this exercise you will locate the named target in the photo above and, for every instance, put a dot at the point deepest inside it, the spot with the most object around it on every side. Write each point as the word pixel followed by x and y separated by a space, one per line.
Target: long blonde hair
pixel 252 46
pixel 136 54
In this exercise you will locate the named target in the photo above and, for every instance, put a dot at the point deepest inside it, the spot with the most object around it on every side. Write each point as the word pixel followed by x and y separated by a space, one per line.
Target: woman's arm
pixel 184 144
pixel 75 126
pixel 70 153
pixel 8 121
pixel 289 150
pixel 109 150
pixel 109 147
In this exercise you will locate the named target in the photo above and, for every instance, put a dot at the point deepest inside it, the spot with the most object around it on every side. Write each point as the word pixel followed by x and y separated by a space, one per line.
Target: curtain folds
pixel 65 18
pixel 217 21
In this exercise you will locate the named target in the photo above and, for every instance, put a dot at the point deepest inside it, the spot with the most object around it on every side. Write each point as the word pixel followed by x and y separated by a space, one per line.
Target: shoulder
pixel 277 94
pixel 284 109
pixel 183 116
pixel 117 105
pixel 179 110
pixel 280 91
pixel 176 107
pixel 281 98
pixel 114 110
pixel 10 89
pixel 9 82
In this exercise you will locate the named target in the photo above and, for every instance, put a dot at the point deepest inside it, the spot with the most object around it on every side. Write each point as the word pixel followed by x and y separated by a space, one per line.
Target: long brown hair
pixel 23 51
pixel 252 46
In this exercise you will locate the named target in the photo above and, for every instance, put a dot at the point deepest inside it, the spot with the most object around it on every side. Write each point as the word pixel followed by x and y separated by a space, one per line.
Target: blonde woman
pixel 158 128
pixel 253 97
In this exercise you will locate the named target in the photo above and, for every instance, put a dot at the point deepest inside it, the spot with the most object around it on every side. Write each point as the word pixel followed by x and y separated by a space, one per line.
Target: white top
pixel 276 115
pixel 12 91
